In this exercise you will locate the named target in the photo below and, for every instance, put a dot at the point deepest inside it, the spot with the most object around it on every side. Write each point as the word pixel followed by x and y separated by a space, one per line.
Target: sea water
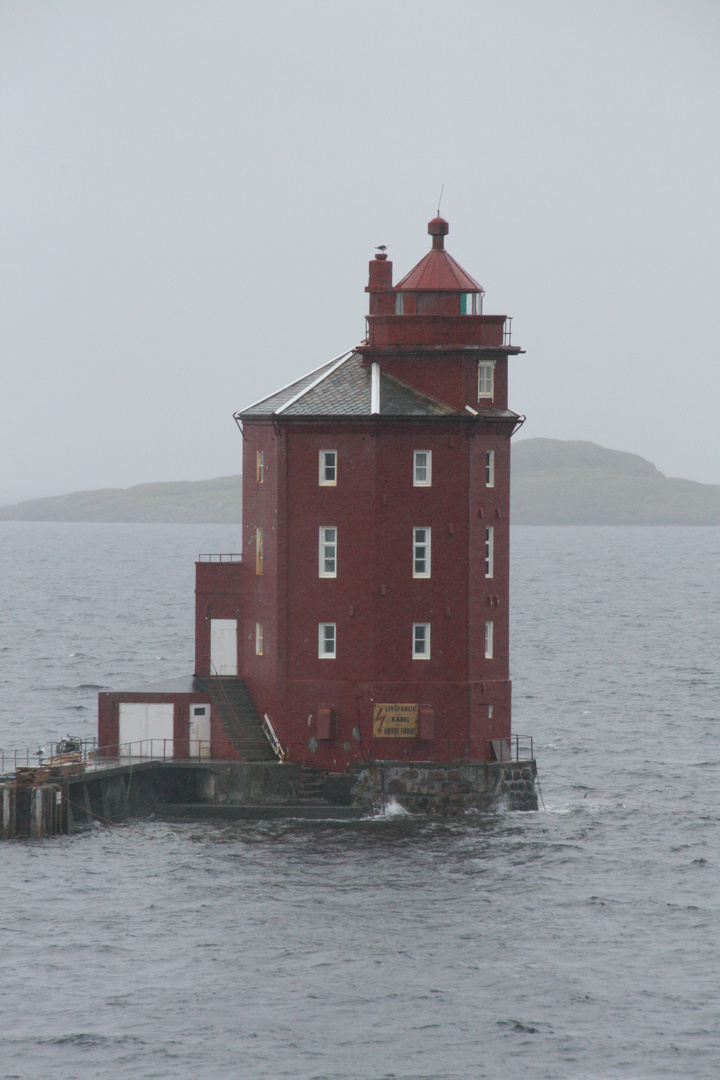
pixel 578 942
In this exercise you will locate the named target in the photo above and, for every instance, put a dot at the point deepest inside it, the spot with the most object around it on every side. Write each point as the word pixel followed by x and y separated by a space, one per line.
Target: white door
pixel 223 647
pixel 199 731
pixel 145 729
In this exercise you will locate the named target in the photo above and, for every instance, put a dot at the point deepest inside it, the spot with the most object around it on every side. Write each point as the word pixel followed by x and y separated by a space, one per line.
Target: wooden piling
pixel 30 810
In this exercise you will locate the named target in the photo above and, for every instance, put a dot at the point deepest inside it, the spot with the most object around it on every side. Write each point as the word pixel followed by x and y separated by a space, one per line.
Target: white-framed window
pixel 327 551
pixel 486 379
pixel 260 467
pixel 328 468
pixel 327 634
pixel 258 551
pixel 399 303
pixel 422 468
pixel 489 468
pixel 421 551
pixel 421 641
pixel 489 551
pixel 471 303
pixel 258 639
pixel 488 641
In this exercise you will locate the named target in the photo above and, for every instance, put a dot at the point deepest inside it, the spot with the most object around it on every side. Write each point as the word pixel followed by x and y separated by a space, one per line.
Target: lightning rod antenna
pixel 440 199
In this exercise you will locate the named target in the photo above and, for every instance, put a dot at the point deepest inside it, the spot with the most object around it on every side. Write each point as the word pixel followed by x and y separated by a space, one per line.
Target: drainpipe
pixel 375 389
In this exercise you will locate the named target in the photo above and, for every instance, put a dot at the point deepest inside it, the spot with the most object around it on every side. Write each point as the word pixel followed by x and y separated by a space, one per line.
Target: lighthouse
pixel 376 498
pixel 367 619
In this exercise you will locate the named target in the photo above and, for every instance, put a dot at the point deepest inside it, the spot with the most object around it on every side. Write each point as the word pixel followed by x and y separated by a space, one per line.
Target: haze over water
pixel 577 943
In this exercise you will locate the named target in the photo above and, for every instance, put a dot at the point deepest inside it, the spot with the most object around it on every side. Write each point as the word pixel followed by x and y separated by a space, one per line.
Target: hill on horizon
pixel 554 482
pixel 210 502
pixel 572 482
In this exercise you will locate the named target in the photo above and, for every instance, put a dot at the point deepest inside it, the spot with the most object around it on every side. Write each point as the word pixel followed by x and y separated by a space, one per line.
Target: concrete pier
pixel 204 790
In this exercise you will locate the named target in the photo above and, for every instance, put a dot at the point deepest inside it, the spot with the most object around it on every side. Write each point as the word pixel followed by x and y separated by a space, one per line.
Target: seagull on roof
pixel 381 247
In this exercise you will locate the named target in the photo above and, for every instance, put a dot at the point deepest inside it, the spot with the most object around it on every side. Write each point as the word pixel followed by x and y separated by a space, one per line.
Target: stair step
pixel 312 785
pixel 240 718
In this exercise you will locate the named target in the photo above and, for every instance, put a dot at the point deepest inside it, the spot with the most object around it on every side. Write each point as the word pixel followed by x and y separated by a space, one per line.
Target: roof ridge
pixel 333 366
pixel 287 386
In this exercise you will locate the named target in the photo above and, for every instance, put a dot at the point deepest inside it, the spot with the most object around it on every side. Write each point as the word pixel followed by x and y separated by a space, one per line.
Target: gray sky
pixel 190 192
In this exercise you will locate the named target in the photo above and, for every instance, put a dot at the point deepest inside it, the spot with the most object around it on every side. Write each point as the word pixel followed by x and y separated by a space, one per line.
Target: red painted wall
pixel 431 330
pixel 264 508
pixel 374 600
pixel 108 721
pixel 452 379
pixel 218 595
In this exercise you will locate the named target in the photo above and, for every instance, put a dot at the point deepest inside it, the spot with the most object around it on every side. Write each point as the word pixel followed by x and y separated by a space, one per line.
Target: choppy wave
pixel 576 943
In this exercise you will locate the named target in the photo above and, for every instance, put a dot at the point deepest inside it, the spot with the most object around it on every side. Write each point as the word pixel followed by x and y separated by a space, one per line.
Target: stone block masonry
pixel 447 790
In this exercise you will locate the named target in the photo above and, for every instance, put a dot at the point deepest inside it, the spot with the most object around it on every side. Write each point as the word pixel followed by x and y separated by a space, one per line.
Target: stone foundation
pixel 447 790
pixel 187 790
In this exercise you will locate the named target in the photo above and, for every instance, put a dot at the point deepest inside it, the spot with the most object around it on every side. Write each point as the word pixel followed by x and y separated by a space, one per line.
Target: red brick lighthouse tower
pixel 369 616
pixel 367 619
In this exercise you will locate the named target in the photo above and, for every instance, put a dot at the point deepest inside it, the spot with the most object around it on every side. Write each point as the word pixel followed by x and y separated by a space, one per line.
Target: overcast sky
pixel 191 191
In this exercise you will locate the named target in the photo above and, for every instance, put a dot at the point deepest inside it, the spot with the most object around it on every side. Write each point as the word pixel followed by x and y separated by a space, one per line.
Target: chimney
pixel 380 276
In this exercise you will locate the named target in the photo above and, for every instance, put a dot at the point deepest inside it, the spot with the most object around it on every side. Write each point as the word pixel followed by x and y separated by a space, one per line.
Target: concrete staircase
pixel 311 788
pixel 243 725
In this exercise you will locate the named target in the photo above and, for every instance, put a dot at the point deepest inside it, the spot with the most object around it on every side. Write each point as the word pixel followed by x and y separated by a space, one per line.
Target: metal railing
pixel 94 757
pixel 507 331
pixel 29 756
pixel 151 750
pixel 512 748
pixel 223 556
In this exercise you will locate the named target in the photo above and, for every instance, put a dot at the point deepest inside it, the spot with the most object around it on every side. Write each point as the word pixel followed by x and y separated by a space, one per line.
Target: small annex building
pixel 367 617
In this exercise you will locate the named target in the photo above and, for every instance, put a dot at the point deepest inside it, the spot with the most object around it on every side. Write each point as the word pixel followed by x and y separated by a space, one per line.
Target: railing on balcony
pixel 223 556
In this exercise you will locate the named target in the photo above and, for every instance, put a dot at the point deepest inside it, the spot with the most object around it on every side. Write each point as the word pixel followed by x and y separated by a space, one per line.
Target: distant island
pixel 558 482
pixel 554 482
pixel 186 501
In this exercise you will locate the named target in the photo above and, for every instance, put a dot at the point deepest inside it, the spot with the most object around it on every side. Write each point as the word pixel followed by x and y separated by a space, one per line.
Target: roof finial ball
pixel 438 229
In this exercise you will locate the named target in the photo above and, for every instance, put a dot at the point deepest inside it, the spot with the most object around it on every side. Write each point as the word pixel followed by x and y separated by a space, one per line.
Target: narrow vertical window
pixel 328 468
pixel 471 303
pixel 489 551
pixel 260 466
pixel 488 641
pixel 399 304
pixel 258 551
pixel 421 641
pixel 327 553
pixel 326 640
pixel 489 468
pixel 421 552
pixel 422 468
pixel 258 639
pixel 486 372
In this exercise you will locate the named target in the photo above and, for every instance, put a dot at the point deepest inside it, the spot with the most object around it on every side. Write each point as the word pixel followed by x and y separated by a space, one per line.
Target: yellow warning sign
pixel 395 721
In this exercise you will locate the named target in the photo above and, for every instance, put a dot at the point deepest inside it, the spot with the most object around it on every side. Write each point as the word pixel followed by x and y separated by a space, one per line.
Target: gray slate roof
pixel 342 388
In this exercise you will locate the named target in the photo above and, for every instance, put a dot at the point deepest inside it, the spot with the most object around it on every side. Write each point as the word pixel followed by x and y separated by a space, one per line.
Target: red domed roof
pixel 438 270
